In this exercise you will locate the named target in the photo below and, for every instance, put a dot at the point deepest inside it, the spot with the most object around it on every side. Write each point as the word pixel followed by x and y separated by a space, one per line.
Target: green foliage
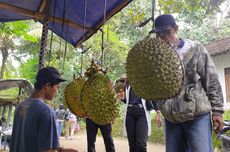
pixel 207 32
pixel 114 56
pixel 227 115
pixel 128 20
pixel 216 141
pixel 157 134
pixel 29 69
pixel 18 28
pixel 117 126
pixel 191 6
pixel 11 33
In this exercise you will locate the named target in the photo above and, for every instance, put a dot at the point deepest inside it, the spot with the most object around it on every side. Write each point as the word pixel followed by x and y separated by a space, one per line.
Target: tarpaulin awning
pixel 73 20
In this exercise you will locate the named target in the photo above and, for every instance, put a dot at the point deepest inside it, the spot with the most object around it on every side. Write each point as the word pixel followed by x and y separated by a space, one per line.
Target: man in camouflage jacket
pixel 188 116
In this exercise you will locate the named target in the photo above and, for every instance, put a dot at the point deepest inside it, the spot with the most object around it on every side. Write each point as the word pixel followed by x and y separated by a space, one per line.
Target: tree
pixel 194 12
pixel 9 32
pixel 197 10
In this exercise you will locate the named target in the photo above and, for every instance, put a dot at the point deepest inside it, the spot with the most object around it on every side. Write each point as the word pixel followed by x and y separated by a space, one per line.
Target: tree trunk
pixel 4 58
pixel 5 53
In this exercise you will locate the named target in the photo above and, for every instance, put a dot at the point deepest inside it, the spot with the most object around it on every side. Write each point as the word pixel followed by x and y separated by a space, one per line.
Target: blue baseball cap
pixel 49 74
pixel 162 22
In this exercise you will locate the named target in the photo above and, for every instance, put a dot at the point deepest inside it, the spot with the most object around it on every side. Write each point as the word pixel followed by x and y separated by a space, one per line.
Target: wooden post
pixel 1 108
pixel 9 116
pixel 3 111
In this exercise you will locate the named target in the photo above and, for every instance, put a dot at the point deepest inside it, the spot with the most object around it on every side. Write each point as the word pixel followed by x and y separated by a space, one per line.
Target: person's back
pixel 60 114
pixel 31 129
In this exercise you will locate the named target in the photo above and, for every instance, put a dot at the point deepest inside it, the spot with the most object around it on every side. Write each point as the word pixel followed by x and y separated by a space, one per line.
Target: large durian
pixel 98 97
pixel 72 94
pixel 154 69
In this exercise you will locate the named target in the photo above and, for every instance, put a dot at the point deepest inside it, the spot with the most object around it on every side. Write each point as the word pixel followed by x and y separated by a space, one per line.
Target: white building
pixel 220 52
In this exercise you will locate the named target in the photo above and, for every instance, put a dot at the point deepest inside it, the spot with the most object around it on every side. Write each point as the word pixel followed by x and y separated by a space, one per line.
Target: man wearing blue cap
pixel 188 116
pixel 34 128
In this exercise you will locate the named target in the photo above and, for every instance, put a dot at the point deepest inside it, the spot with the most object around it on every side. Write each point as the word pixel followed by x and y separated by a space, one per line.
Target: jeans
pixel 137 129
pixel 59 125
pixel 190 136
pixel 106 131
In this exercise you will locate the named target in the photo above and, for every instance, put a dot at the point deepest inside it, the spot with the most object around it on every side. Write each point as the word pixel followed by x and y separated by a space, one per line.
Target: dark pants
pixel 137 129
pixel 106 131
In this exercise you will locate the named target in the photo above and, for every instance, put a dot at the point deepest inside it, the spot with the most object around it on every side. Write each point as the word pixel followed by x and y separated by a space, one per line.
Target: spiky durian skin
pixel 72 94
pixel 154 69
pixel 98 100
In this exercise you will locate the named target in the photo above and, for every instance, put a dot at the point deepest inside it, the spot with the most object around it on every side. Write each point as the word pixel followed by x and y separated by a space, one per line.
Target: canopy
pixel 73 20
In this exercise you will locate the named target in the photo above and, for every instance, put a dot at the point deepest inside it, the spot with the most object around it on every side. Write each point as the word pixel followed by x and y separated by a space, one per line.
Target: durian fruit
pixel 154 69
pixel 98 99
pixel 72 94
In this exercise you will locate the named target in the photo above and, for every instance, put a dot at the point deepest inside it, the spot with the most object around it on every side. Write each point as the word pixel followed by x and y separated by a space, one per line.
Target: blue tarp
pixel 73 20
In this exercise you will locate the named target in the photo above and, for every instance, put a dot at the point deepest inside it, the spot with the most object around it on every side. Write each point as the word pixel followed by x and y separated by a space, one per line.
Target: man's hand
pixel 218 123
pixel 120 95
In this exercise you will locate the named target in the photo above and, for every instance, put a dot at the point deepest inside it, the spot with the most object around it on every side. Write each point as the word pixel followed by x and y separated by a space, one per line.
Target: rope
pixel 83 33
pixel 62 29
pixel 102 35
pixel 81 60
pixel 51 39
pixel 63 66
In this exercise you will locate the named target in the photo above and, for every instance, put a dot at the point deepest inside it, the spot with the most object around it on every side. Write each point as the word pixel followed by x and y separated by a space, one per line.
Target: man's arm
pixel 211 84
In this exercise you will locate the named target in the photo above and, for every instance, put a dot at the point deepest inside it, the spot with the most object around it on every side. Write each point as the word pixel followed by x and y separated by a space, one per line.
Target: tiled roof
pixel 219 47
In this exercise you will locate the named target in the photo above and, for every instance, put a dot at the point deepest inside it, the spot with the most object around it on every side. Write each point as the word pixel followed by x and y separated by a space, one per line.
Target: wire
pixel 62 29
pixel 51 39
pixel 102 35
pixel 83 37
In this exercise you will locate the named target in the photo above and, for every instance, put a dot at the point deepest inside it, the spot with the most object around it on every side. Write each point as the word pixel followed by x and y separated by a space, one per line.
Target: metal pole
pixel 153 9
pixel 102 47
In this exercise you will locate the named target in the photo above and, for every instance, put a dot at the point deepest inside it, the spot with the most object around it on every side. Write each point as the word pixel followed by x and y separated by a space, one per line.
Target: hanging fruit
pixel 98 97
pixel 154 69
pixel 72 94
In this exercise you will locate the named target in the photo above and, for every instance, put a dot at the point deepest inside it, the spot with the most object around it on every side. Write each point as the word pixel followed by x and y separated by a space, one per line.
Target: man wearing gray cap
pixel 34 128
pixel 188 116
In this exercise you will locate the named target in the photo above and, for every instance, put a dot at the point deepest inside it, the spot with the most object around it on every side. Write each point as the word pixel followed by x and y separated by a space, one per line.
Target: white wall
pixel 221 62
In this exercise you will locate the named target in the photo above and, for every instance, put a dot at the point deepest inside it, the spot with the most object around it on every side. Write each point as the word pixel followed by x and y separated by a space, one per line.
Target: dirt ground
pixel 79 142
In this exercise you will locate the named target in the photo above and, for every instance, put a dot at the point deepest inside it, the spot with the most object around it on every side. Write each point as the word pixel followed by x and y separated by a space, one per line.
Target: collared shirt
pixel 183 47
